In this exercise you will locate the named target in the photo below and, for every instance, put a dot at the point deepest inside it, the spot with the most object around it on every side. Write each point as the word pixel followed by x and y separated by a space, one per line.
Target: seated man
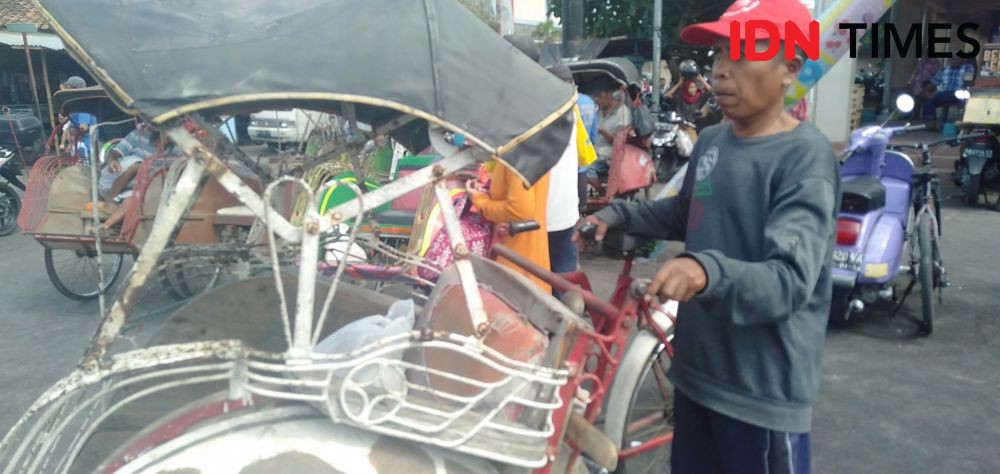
pixel 948 80
pixel 118 176
pixel 613 116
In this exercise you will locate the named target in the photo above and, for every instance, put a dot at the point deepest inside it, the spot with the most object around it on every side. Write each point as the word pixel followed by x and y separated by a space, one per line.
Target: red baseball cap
pixel 777 12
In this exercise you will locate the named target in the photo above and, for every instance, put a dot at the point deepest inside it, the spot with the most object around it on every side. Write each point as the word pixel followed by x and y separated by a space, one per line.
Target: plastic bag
pixel 400 319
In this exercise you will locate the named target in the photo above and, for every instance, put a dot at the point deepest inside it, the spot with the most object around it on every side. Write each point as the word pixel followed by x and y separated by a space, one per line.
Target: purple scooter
pixel 875 219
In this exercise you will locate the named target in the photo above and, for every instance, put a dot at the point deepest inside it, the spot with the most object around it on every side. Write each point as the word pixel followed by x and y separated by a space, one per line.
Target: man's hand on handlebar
pixel 678 279
pixel 590 227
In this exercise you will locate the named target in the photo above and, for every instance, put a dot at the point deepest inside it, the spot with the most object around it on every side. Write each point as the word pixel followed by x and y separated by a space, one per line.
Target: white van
pixel 281 126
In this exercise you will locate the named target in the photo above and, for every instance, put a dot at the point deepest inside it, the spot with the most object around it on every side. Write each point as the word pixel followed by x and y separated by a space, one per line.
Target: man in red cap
pixel 758 212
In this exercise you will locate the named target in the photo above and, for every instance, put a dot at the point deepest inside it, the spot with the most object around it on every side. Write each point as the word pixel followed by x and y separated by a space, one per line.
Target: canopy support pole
pixel 167 223
pixel 31 76
pixel 48 88
pixel 657 52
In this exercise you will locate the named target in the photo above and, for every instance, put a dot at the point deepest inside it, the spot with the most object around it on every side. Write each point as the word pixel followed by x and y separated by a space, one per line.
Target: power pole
pixel 572 27
pixel 657 51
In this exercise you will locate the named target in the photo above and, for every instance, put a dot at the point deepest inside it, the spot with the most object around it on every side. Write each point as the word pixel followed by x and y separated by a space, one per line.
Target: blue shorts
pixel 707 442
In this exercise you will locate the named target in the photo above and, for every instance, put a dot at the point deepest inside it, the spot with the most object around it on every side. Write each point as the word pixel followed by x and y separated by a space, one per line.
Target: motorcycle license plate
pixel 847 260
pixel 984 152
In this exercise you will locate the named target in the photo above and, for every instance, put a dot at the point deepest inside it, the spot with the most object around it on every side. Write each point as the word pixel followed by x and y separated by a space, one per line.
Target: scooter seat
pixel 862 194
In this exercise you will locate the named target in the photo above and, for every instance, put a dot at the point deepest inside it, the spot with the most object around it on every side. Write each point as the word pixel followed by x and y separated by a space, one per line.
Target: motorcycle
pixel 10 201
pixel 978 166
pixel 671 144
pixel 877 229
pixel 874 83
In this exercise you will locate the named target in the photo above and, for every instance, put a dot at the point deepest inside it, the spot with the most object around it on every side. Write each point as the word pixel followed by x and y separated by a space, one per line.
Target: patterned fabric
pixel 475 228
pixel 951 79
pixel 926 69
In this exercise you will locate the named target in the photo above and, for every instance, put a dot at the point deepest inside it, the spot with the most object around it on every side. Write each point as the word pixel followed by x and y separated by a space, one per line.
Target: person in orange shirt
pixel 508 200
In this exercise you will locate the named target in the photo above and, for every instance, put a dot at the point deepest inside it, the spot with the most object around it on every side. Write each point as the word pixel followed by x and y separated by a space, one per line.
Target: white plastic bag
pixel 400 319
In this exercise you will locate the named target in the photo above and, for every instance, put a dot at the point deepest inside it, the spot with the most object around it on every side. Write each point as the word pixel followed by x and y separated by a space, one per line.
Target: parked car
pixel 28 130
pixel 285 126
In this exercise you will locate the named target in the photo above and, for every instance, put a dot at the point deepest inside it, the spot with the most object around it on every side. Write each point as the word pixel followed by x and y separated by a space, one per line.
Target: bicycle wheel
pixel 10 207
pixel 74 273
pixel 925 272
pixel 640 404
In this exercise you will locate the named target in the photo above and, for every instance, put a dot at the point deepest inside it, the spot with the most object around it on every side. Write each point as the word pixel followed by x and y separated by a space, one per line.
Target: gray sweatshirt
pixel 759 214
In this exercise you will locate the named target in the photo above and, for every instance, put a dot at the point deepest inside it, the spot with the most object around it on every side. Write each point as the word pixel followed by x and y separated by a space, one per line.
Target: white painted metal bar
pixel 232 183
pixel 164 227
pixel 466 275
pixel 387 193
pixel 302 337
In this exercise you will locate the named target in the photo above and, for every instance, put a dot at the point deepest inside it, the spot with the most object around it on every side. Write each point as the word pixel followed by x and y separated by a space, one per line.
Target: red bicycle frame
pixel 596 355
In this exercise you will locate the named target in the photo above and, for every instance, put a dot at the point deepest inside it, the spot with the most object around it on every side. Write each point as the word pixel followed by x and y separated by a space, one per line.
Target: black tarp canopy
pixel 431 59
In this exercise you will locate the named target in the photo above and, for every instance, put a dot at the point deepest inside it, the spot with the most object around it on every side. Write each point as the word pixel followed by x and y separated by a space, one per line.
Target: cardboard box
pixel 989 66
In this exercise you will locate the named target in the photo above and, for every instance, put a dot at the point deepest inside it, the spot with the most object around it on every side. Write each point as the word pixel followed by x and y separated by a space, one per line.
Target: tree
pixel 479 8
pixel 634 18
pixel 547 32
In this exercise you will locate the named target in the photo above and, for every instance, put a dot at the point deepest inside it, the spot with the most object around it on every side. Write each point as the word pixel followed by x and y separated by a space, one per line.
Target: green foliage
pixel 479 8
pixel 547 32
pixel 634 18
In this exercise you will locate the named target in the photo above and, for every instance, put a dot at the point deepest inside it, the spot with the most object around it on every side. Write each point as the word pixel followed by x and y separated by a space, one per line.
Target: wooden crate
pixel 857 104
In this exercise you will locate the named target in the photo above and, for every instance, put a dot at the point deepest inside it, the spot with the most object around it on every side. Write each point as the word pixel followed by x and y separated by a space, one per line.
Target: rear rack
pixel 375 388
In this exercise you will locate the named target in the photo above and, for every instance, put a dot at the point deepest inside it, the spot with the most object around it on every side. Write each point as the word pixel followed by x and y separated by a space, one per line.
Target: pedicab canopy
pixel 432 59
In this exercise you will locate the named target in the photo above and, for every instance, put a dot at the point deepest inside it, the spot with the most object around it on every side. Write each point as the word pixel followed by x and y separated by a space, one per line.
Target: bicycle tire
pixel 61 287
pixel 13 205
pixel 925 273
pixel 643 352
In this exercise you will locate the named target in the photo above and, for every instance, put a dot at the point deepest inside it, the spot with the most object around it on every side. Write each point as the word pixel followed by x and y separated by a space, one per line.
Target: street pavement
pixel 890 399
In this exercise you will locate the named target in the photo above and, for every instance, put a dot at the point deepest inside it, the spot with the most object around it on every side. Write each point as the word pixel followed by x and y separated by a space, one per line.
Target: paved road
pixel 890 401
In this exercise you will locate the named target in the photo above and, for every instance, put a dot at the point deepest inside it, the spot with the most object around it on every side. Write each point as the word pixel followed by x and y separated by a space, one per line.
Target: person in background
pixel 753 311
pixel 76 128
pixel 117 177
pixel 507 200
pixel 563 209
pixel 800 110
pixel 589 117
pixel 614 116
pixel 921 87
pixel 947 81
pixel 691 89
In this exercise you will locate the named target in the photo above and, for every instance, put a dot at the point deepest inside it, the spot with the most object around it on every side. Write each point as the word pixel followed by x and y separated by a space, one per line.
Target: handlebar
pixel 557 282
pixel 927 146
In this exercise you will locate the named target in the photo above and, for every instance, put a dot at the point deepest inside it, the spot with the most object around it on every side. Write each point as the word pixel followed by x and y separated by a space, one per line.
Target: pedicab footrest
pixel 381 388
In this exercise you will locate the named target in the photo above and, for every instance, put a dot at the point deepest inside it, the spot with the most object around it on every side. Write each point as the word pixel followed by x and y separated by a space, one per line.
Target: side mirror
pixel 905 103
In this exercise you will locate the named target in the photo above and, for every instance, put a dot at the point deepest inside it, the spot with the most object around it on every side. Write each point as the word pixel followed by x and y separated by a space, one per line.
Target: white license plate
pixel 264 134
pixel 846 260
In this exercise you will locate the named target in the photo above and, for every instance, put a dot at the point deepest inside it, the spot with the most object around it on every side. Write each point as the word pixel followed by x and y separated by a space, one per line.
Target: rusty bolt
pixel 312 227
pixel 438 171
pixel 461 251
pixel 482 329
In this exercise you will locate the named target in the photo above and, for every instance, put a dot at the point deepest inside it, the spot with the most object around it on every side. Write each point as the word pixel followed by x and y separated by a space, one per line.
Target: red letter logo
pixel 751 42
pixel 794 37
pixel 734 40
